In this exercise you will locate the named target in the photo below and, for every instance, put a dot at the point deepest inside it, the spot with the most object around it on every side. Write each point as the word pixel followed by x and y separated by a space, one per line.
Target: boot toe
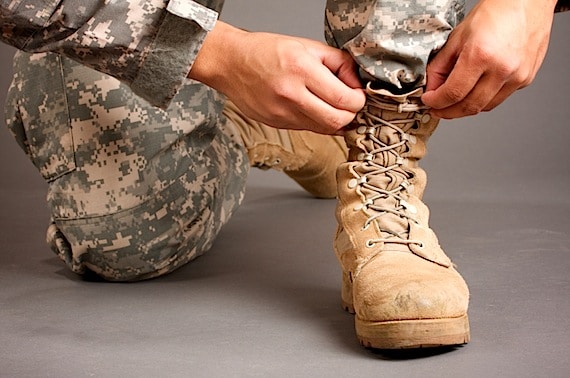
pixel 402 286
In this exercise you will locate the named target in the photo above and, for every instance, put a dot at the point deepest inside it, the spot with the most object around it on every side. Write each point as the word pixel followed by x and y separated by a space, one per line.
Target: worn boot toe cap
pixel 402 286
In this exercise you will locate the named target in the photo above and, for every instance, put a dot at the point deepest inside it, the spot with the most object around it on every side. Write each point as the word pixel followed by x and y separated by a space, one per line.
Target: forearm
pixel 150 45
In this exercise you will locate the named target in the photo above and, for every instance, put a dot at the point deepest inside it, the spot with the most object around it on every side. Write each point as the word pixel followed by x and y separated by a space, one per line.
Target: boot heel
pixel 346 293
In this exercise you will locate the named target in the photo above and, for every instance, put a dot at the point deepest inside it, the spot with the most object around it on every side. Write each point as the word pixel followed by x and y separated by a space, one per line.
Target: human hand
pixel 496 50
pixel 282 81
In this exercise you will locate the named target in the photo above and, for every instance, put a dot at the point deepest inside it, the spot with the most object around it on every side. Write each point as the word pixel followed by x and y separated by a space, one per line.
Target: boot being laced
pixel 401 285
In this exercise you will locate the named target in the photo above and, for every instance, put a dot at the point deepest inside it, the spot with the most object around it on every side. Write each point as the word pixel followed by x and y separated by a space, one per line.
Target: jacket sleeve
pixel 148 44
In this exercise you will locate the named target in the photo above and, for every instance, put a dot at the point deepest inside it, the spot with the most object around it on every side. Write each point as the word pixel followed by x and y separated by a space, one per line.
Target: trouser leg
pixel 134 191
pixel 392 40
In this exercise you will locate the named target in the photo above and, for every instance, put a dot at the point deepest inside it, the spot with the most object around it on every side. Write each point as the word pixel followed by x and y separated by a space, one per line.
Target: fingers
pixel 462 79
pixel 342 65
pixel 295 106
pixel 330 89
pixel 338 90
pixel 325 118
pixel 473 88
pixel 310 113
pixel 483 96
pixel 440 66
pixel 473 85
pixel 305 110
pixel 330 94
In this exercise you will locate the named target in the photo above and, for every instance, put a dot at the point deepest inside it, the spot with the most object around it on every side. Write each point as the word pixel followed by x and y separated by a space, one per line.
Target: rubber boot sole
pixel 407 334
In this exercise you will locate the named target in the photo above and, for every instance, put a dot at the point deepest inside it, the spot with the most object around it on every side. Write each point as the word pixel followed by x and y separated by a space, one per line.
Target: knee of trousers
pixel 177 225
pixel 173 227
pixel 147 241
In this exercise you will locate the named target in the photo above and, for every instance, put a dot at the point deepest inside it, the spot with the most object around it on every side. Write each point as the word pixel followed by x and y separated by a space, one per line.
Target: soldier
pixel 145 166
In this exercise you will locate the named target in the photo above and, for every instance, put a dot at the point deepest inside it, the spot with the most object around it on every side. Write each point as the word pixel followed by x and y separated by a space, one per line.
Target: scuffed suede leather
pixel 308 158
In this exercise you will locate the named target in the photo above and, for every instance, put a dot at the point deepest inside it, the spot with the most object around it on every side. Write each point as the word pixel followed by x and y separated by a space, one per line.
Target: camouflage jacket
pixel 148 44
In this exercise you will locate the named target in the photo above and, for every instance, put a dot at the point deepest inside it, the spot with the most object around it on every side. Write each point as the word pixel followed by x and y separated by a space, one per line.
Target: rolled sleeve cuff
pixel 179 39
pixel 203 16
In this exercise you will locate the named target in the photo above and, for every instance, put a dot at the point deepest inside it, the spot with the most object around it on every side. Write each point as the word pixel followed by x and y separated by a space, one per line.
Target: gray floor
pixel 265 300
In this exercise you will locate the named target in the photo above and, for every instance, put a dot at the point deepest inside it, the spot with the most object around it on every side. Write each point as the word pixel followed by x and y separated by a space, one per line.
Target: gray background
pixel 265 300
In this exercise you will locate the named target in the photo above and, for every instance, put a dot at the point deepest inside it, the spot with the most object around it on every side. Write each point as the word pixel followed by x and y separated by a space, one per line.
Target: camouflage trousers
pixel 134 191
pixel 392 40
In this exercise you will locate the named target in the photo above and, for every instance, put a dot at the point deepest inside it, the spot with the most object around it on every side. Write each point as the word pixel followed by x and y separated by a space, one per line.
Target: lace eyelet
pixel 370 244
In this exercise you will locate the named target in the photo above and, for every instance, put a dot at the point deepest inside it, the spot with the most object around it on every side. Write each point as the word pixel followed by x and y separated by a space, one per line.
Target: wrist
pixel 212 62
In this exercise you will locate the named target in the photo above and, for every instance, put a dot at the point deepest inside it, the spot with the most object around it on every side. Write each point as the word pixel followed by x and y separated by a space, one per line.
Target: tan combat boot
pixel 308 158
pixel 403 289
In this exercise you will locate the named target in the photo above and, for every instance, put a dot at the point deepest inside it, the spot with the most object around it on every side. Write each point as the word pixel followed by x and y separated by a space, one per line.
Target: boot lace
pixel 378 200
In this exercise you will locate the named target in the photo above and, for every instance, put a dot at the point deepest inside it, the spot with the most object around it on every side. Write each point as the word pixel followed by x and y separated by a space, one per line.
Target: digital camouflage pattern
pixel 134 191
pixel 151 44
pixel 391 40
pixel 148 44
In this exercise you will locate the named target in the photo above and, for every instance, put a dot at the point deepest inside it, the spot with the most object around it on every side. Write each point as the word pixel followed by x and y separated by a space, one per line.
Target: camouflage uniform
pixel 134 191
pixel 148 44
pixel 142 167
pixel 391 40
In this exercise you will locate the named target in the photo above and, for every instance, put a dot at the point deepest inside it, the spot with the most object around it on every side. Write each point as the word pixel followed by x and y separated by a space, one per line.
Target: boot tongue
pixel 390 181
